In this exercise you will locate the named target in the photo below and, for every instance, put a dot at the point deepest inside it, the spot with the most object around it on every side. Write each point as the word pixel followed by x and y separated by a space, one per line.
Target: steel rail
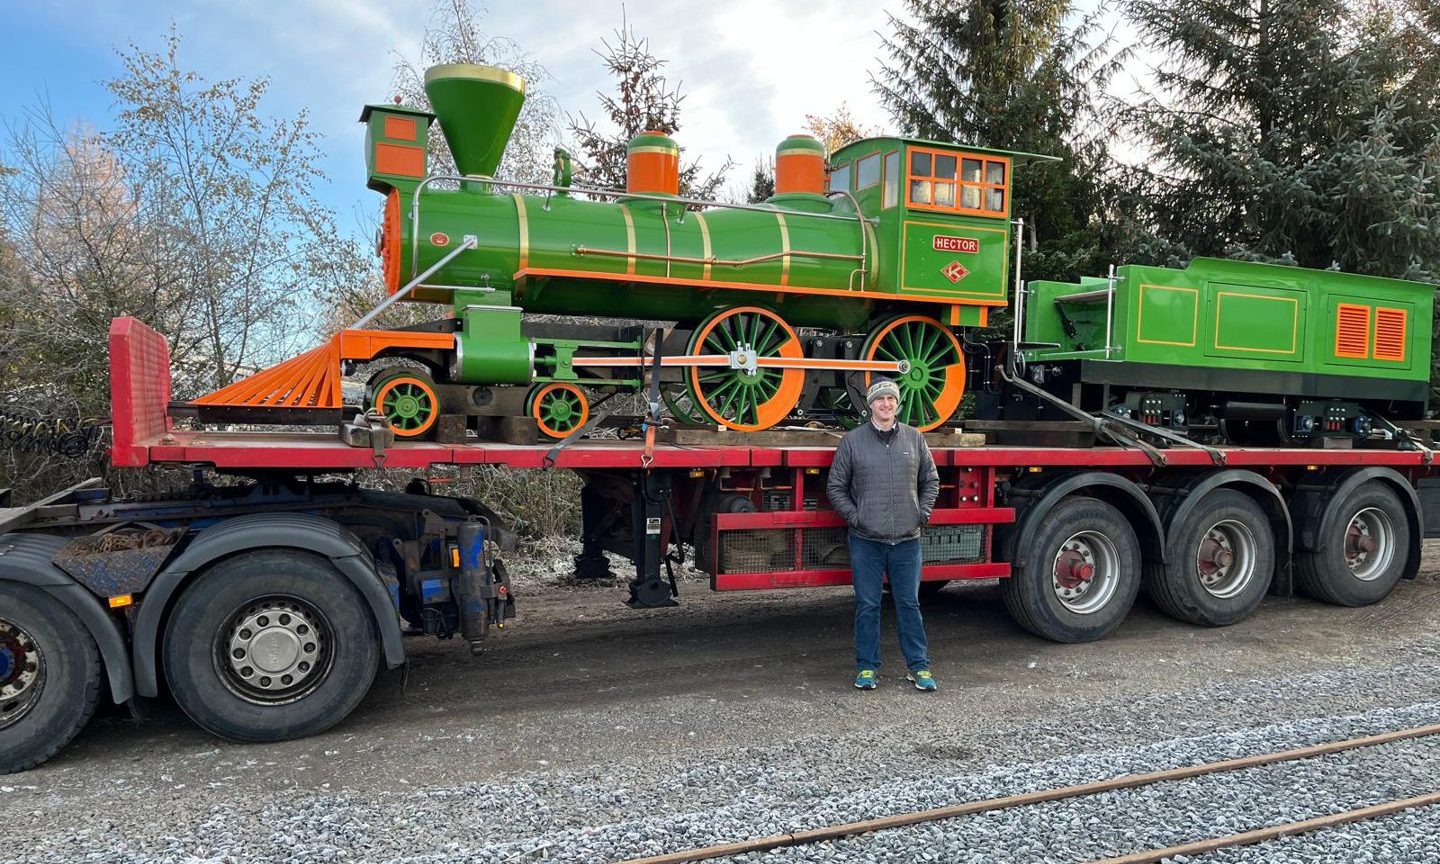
pixel 901 820
pixel 1274 832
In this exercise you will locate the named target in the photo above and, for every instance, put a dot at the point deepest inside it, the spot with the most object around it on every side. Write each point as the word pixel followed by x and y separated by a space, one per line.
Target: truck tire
pixel 1222 558
pixel 49 676
pixel 270 645
pixel 1083 575
pixel 1362 546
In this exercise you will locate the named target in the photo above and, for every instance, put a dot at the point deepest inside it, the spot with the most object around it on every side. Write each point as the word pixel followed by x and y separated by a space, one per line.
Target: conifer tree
pixel 1296 131
pixel 644 100
pixel 1010 74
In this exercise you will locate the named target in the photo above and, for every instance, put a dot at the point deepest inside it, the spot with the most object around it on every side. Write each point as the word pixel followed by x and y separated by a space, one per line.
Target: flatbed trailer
pixel 266 603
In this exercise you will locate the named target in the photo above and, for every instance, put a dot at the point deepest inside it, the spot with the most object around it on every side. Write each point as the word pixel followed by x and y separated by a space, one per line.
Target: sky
pixel 751 70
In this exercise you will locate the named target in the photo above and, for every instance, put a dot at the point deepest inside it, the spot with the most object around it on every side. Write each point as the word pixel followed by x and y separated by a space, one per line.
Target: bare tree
pixel 454 35
pixel 195 213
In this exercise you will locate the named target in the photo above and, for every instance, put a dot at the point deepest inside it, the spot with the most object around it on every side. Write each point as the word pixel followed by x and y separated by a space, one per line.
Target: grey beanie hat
pixel 882 387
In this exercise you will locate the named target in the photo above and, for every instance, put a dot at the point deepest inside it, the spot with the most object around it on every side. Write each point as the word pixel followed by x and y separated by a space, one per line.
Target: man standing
pixel 883 481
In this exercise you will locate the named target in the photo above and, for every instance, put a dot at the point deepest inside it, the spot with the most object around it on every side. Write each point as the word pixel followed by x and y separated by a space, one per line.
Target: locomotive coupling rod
pixel 736 362
pixel 469 242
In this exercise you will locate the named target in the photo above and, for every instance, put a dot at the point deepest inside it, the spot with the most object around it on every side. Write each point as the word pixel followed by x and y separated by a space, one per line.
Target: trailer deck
pixel 144 434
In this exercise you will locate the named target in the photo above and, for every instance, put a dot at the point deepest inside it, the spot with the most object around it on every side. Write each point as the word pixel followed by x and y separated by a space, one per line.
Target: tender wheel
pixel 745 399
pixel 1222 558
pixel 1082 576
pixel 49 676
pixel 934 382
pixel 270 645
pixel 1363 541
pixel 407 399
pixel 559 409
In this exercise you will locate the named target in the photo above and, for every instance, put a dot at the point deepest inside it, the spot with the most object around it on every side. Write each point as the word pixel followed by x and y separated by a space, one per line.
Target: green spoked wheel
pixel 680 405
pixel 407 401
pixel 746 400
pixel 931 388
pixel 559 409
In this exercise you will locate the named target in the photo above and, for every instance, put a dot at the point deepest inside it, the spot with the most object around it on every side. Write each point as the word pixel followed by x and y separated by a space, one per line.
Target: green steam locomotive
pixel 883 261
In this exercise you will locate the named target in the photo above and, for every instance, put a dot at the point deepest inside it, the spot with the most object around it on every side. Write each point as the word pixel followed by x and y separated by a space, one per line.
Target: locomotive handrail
pixel 470 241
pixel 726 262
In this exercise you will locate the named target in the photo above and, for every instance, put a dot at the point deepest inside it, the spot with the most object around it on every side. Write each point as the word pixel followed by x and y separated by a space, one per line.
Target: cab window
pixel 964 183
pixel 892 179
pixel 867 172
pixel 840 178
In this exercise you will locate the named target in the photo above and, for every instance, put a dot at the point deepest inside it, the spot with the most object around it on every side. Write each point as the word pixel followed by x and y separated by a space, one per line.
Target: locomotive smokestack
pixel 477 107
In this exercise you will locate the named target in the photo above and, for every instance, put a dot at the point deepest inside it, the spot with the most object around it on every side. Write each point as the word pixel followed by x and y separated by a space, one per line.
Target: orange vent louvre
pixel 1390 334
pixel 1352 331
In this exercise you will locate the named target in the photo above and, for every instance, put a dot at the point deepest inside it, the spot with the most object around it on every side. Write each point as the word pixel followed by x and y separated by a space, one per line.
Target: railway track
pixel 1132 781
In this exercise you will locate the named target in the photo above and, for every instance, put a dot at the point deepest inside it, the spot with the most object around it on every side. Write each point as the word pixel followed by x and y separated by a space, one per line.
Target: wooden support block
pixel 450 429
pixel 517 430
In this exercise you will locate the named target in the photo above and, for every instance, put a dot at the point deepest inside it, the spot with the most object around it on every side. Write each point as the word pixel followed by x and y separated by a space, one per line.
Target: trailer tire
pixel 52 696
pixel 1076 533
pixel 1340 570
pixel 270 645
pixel 1220 561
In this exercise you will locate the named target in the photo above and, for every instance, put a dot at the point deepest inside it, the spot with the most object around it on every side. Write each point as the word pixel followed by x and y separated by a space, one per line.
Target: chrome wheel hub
pixel 274 650
pixel 22 672
pixel 1369 544
pixel 1225 559
pixel 1084 572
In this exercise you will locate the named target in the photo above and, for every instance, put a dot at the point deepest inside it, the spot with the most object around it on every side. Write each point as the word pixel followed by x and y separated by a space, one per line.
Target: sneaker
pixel 865 679
pixel 923 680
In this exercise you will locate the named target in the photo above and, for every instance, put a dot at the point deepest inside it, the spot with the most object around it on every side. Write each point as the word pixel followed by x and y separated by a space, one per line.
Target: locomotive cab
pixel 943 215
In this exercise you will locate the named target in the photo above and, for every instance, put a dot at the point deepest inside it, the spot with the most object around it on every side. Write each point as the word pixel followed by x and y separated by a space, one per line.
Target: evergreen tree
pixel 644 100
pixel 762 183
pixel 1010 74
pixel 1296 131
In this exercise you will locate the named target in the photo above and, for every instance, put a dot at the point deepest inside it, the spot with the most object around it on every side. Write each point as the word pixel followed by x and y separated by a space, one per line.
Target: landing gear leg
pixel 596 514
pixel 648 589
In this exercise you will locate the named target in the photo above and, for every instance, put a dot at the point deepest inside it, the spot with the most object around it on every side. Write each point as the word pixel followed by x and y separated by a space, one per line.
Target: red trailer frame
pixel 790 520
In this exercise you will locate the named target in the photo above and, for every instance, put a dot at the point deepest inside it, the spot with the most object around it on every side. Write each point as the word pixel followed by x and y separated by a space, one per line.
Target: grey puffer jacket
pixel 884 490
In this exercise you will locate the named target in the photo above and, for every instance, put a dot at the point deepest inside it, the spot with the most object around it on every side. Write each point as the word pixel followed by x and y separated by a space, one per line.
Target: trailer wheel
pixel 1082 574
pixel 1362 548
pixel 1222 557
pixel 270 645
pixel 49 676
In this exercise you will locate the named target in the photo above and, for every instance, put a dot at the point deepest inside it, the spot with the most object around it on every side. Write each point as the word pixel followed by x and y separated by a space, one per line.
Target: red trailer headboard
pixel 139 390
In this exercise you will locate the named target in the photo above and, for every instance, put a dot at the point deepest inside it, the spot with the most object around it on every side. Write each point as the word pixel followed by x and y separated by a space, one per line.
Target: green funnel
pixel 477 107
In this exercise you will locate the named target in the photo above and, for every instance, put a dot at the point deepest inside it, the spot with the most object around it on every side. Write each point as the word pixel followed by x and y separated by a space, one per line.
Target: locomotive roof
pixel 1017 156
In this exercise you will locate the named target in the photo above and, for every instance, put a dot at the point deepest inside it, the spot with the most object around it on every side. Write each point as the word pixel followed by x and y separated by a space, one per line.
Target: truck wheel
pixel 270 645
pixel 1082 576
pixel 1222 557
pixel 49 676
pixel 1365 538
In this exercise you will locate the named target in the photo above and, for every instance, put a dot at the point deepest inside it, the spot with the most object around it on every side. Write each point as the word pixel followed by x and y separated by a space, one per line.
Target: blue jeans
pixel 870 560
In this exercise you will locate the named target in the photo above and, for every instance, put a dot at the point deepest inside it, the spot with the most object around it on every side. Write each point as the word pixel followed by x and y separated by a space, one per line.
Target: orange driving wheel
pixel 559 409
pixel 749 398
pixel 934 382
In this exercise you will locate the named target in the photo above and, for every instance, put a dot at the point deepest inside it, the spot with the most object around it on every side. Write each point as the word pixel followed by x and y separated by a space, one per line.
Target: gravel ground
pixel 574 756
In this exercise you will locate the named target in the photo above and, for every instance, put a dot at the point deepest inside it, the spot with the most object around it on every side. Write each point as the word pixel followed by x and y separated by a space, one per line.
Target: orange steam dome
pixel 652 164
pixel 800 166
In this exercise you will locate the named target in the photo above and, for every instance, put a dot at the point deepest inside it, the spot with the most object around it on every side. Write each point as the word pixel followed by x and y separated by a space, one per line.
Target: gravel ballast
pixel 591 732
pixel 628 810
